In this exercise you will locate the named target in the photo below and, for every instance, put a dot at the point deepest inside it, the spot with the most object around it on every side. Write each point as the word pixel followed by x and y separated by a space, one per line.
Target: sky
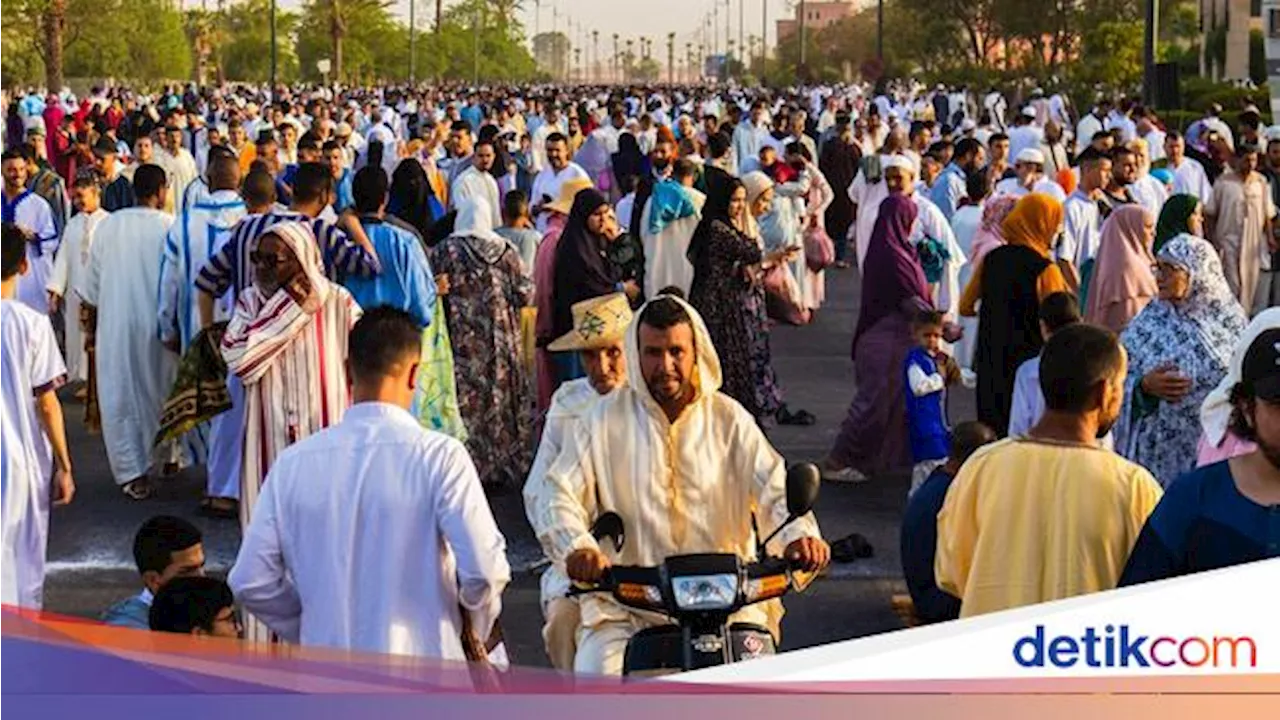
pixel 628 18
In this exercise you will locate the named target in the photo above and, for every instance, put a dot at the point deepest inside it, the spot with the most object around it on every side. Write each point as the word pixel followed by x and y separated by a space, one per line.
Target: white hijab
pixel 1215 412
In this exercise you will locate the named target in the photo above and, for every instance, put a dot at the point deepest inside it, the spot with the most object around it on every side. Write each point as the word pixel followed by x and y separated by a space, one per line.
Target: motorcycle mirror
pixel 803 482
pixel 610 525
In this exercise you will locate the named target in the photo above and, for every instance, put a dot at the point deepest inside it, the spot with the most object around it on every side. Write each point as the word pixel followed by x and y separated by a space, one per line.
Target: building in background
pixel 817 15
pixel 1225 24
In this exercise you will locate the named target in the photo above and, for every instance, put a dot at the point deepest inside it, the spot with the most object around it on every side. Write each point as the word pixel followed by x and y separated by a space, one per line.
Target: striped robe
pixel 295 383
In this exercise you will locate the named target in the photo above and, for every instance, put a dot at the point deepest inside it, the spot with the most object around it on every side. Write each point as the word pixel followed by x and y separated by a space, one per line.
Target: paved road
pixel 90 541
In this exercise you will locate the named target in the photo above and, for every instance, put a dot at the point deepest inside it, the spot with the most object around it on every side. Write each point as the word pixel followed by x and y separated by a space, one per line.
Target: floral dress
pixel 486 292
pixel 1198 334
pixel 733 308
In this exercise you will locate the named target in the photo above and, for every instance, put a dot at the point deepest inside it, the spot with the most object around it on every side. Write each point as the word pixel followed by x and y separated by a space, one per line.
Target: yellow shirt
pixel 1029 521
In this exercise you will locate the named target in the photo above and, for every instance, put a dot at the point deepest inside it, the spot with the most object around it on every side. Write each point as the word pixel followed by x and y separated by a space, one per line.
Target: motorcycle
pixel 700 592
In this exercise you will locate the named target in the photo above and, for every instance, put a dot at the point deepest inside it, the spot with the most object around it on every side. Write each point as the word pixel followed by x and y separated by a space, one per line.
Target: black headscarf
pixel 628 161
pixel 716 208
pixel 410 193
pixel 582 269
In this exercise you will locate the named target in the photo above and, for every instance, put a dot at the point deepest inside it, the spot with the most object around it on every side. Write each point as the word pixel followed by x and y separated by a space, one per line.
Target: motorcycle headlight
pixel 705 592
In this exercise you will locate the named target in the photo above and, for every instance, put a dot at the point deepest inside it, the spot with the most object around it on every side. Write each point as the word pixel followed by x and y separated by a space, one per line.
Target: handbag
pixel 782 296
pixel 819 251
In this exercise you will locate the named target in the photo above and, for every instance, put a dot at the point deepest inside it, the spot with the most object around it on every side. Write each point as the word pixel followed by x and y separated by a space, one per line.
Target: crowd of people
pixel 362 311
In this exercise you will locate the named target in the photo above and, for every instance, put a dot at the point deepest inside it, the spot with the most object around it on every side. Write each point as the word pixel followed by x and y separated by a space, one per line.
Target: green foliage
pixel 247 53
pixel 1113 55
pixel 375 46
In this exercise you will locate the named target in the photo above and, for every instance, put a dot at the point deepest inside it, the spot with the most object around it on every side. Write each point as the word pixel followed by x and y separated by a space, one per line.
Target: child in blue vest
pixel 928 372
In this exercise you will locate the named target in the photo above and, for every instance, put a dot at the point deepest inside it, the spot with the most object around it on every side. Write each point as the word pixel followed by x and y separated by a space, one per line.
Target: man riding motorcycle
pixel 683 465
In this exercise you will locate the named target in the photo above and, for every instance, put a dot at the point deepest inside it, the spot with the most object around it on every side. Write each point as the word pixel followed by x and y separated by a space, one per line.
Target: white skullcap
pixel 1030 155
pixel 901 162
pixel 1029 111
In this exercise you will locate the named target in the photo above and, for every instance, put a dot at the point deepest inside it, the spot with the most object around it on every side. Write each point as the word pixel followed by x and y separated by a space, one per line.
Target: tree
pixel 247 54
pixel 52 23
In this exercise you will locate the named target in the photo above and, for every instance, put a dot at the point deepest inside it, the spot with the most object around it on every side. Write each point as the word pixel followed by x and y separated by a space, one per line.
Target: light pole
pixel 272 94
pixel 413 40
pixel 803 41
pixel 728 26
pixel 1149 53
pixel 671 58
pixel 595 50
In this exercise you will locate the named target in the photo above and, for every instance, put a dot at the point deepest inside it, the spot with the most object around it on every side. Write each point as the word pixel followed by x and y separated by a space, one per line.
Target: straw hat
pixel 597 322
pixel 568 191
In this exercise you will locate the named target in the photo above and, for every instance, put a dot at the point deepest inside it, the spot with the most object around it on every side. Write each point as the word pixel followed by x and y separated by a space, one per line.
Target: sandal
pixel 139 489
pixel 801 417
pixel 850 548
pixel 228 509
pixel 849 475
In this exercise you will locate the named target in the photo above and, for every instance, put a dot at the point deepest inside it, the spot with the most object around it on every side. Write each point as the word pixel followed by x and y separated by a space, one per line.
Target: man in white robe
pixel 375 535
pixel 1189 177
pixel 32 213
pixel 135 372
pixel 931 224
pixel 32 431
pixel 750 135
pixel 600 324
pixel 477 181
pixel 1029 166
pixel 868 189
pixel 547 183
pixel 178 165
pixel 66 283
pixel 666 261
pixel 684 465
pixel 196 235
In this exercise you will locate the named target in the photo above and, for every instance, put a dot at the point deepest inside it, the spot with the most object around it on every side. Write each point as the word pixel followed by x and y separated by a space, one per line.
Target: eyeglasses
pixel 268 260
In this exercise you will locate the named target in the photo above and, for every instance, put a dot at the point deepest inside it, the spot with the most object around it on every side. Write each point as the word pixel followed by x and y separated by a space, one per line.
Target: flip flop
pixel 138 490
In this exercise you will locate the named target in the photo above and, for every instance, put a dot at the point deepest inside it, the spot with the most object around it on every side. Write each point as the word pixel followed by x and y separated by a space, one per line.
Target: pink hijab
pixel 1122 282
pixel 544 270
pixel 988 236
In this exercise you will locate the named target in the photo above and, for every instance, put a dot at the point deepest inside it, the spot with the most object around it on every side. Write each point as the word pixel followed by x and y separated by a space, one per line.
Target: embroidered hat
pixel 597 322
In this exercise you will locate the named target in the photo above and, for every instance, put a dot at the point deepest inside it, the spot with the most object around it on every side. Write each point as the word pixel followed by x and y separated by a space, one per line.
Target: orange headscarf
pixel 1033 223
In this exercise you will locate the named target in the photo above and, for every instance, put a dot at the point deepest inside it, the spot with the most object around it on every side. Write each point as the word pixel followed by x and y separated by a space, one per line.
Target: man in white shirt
pixel 178 165
pixel 477 181
pixel 1025 135
pixel 1188 174
pixel 554 125
pixel 1029 166
pixel 1152 135
pixel 1082 217
pixel 374 534
pixel 547 183
pixel 1091 124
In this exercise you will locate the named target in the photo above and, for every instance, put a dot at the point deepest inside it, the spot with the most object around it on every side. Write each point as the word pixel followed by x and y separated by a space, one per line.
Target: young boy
pixel 1058 310
pixel 928 373
pixel 30 424
pixel 70 266
pixel 517 228
pixel 165 548
pixel 198 606
pixel 920 526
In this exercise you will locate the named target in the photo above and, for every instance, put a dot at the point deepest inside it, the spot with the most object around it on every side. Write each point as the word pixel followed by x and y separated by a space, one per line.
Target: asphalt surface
pixel 90 563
